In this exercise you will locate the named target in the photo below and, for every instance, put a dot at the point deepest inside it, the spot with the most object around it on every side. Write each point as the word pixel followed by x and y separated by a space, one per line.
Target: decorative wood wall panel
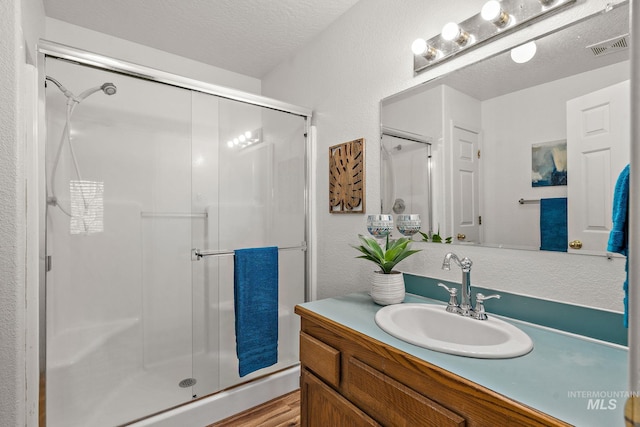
pixel 347 177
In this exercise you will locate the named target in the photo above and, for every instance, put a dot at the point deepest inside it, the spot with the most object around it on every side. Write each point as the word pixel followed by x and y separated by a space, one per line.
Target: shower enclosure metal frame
pixel 55 50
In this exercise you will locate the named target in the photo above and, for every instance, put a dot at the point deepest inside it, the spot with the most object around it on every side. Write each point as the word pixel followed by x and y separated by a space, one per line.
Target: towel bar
pixel 173 214
pixel 197 254
pixel 523 201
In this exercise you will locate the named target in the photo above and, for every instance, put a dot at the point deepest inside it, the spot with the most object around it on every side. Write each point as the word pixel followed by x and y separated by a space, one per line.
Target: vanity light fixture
pixel 497 18
pixel 421 48
pixel 492 12
pixel 452 32
pixel 246 139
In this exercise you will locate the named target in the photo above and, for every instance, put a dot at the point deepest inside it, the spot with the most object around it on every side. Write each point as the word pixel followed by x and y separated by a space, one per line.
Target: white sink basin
pixel 432 327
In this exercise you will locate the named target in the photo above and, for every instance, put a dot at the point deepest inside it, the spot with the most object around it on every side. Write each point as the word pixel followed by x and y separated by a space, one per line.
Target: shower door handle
pixel 198 254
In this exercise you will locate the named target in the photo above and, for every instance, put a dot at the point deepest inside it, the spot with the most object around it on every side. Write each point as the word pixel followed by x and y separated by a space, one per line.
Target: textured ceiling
pixel 246 36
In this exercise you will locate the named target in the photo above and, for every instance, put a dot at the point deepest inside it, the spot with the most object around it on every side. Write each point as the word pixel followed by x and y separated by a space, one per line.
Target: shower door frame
pixel 56 50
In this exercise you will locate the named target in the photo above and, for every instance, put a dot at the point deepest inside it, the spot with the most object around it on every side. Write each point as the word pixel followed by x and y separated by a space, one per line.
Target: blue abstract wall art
pixel 549 163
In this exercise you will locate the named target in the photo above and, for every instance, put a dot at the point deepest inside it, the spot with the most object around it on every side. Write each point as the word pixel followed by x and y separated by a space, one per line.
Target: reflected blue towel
pixel 618 237
pixel 553 224
pixel 256 308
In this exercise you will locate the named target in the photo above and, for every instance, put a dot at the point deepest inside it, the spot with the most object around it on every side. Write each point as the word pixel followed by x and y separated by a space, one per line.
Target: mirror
pixel 499 153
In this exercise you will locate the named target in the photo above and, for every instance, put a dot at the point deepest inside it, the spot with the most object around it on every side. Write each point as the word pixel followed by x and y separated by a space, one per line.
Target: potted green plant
pixel 387 285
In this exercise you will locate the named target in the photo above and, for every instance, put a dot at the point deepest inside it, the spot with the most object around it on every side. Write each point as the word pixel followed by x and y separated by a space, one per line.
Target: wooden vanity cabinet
pixel 350 379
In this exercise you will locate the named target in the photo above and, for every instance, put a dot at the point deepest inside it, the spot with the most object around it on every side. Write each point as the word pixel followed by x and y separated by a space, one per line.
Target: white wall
pixel 12 355
pixel 93 41
pixel 343 74
pixel 21 23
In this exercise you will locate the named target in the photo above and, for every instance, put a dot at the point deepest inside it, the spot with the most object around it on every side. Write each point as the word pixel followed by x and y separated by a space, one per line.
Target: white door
pixel 465 203
pixel 597 150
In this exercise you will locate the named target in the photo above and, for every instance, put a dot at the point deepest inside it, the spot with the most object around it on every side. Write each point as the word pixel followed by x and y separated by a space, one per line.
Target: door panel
pixel 597 150
pixel 465 184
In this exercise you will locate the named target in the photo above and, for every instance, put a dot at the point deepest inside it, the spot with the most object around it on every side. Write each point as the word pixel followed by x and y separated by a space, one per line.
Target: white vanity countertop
pixel 575 379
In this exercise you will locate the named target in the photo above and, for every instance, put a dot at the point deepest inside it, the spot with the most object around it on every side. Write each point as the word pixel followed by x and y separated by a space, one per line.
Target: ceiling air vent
pixel 613 45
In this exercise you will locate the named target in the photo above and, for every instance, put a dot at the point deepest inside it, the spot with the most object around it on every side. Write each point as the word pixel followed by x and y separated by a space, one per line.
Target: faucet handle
pixel 479 312
pixel 453 306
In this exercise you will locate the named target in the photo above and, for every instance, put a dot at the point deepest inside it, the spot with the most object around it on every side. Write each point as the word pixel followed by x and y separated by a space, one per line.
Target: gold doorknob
pixel 461 236
pixel 575 244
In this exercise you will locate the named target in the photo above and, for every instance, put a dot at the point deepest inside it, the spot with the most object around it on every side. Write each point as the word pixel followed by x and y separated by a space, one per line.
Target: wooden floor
pixel 283 411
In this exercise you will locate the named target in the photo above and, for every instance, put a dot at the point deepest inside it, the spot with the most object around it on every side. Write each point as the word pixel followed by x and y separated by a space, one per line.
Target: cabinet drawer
pixel 320 358
pixel 392 403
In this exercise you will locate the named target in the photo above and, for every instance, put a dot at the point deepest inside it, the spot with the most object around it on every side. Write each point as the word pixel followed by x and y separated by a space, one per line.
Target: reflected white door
pixel 465 203
pixel 597 150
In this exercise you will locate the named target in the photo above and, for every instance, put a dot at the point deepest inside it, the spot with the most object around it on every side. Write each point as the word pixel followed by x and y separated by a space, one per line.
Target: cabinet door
pixel 322 406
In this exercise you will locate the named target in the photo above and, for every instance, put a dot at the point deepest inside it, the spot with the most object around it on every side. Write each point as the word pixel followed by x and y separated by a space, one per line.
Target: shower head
pixel 109 88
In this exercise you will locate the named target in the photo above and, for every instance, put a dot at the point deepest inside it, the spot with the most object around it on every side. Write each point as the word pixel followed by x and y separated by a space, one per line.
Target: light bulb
pixel 242 138
pixel 492 12
pixel 452 32
pixel 230 144
pixel 419 47
pixel 524 53
pixel 235 141
pixel 247 134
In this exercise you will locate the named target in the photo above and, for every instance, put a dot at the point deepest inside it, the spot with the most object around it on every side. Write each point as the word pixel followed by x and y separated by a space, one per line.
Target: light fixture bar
pixel 512 14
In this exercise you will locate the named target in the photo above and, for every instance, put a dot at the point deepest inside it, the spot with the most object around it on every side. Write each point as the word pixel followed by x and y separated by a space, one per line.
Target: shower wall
pixel 129 313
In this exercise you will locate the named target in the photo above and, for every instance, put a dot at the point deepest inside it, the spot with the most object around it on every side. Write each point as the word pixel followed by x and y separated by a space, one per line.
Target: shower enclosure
pixel 137 181
pixel 405 174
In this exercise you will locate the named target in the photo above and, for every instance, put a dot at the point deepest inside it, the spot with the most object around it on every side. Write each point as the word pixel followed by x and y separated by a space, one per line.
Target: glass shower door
pixel 249 185
pixel 139 174
pixel 119 226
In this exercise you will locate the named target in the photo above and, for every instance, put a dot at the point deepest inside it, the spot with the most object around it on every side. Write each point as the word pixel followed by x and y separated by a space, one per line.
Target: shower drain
pixel 187 382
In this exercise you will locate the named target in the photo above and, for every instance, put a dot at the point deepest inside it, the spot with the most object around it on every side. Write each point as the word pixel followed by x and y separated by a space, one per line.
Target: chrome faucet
pixel 465 264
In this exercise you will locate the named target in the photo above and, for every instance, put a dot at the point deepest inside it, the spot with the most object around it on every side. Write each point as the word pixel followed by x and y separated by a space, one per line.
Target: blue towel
pixel 618 237
pixel 553 224
pixel 256 308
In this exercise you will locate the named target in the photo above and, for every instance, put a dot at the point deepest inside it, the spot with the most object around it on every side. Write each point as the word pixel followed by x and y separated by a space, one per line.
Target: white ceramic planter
pixel 387 289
